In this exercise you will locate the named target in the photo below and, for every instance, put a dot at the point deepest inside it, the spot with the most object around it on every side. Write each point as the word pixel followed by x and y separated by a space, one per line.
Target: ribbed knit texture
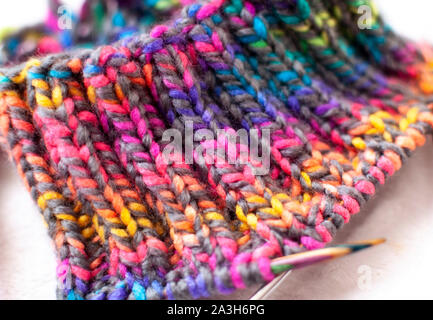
pixel 84 122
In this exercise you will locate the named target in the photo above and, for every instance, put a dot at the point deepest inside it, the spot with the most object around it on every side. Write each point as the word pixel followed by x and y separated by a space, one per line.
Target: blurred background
pixel 402 212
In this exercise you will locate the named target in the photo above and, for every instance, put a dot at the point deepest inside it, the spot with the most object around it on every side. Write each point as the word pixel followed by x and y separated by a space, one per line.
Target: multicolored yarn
pixel 385 48
pixel 86 131
pixel 96 23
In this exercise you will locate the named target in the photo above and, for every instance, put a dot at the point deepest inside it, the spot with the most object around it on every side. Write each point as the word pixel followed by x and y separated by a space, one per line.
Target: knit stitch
pixel 85 128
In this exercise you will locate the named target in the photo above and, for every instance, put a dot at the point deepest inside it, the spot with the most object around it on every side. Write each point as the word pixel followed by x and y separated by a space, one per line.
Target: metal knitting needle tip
pixel 284 265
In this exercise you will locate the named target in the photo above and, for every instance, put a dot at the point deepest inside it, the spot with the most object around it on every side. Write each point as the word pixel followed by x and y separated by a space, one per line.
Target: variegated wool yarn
pixel 84 121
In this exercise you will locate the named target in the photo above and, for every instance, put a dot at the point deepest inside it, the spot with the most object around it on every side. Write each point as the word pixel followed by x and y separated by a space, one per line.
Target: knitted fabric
pixel 86 127
pixel 97 22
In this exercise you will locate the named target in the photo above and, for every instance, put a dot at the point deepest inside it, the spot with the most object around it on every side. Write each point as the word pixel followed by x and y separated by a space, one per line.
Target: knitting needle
pixel 267 289
pixel 284 265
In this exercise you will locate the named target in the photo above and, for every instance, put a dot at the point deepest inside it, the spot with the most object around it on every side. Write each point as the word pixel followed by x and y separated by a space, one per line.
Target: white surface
pixel 402 213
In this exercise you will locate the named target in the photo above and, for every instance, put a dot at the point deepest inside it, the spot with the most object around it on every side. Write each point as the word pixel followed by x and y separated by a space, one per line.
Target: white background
pixel 402 213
